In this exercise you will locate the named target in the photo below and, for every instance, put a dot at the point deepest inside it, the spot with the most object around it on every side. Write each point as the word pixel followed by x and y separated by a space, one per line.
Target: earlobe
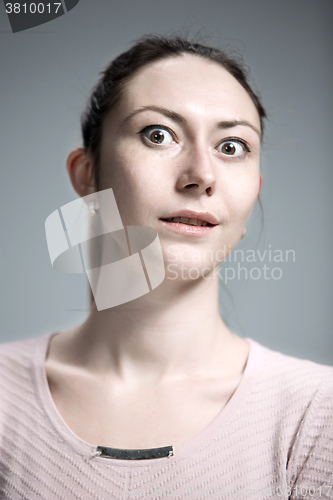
pixel 260 185
pixel 79 167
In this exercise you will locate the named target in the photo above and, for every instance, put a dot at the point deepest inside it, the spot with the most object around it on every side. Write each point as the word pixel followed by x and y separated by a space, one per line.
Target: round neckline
pixel 87 450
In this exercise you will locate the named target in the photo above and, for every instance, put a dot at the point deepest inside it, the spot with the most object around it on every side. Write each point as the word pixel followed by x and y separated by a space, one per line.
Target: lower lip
pixel 178 227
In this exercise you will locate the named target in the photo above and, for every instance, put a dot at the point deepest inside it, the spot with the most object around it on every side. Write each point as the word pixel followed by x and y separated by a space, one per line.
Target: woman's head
pixel 179 132
pixel 110 88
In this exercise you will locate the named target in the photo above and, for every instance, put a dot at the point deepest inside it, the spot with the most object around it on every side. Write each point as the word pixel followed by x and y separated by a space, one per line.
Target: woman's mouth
pixel 189 225
pixel 188 221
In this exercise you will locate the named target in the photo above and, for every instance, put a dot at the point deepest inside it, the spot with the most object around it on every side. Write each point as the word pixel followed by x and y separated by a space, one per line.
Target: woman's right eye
pixel 157 135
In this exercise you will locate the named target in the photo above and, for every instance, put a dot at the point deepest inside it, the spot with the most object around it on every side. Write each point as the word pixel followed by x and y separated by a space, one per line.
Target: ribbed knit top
pixel 273 439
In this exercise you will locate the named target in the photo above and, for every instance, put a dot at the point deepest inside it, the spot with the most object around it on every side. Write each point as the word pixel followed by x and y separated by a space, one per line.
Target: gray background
pixel 46 75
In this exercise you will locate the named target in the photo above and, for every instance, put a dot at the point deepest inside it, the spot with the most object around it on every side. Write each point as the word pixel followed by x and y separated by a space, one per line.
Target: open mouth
pixel 188 221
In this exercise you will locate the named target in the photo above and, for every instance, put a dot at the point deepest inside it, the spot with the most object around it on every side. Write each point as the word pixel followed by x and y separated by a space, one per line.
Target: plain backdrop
pixel 46 76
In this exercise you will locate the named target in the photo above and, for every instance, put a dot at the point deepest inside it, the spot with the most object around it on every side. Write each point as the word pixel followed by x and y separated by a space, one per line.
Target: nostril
pixel 190 185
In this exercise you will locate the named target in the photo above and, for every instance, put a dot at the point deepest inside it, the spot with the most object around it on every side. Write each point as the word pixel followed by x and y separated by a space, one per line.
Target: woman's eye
pixel 233 148
pixel 157 135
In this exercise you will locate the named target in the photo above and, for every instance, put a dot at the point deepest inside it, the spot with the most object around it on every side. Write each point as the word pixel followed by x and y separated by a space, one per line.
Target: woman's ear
pixel 80 169
pixel 260 185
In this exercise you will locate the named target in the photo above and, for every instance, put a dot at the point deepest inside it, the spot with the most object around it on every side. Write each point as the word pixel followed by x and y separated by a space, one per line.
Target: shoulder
pixel 17 360
pixel 289 377
pixel 296 396
pixel 17 351
pixel 289 390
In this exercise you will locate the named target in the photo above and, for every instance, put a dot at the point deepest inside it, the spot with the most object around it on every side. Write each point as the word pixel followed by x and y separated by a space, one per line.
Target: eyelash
pixel 162 127
pixel 240 141
pixel 227 139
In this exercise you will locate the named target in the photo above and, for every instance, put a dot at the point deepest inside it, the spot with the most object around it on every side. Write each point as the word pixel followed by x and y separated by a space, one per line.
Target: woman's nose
pixel 197 173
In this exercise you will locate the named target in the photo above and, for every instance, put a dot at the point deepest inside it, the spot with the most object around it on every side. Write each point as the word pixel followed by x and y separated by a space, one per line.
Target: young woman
pixel 157 397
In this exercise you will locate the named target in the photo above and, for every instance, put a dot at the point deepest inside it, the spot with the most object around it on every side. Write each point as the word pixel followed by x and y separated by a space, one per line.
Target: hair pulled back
pixel 108 91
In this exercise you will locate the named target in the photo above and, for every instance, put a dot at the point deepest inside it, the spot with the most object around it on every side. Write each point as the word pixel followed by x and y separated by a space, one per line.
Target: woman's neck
pixel 170 333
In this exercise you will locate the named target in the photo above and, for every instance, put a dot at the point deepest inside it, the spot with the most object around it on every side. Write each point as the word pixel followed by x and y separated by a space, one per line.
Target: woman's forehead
pixel 191 85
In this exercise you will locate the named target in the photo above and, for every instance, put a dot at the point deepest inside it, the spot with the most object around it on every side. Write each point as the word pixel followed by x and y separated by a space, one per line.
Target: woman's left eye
pixel 157 135
pixel 232 147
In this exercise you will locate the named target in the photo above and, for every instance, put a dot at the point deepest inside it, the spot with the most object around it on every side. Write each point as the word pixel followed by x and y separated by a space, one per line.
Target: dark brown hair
pixel 109 89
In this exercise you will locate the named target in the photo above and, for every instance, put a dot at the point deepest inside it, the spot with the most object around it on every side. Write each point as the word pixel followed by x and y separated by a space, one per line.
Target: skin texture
pixel 153 361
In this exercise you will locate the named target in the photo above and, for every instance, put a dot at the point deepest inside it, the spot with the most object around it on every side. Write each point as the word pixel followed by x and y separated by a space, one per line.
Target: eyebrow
pixel 181 120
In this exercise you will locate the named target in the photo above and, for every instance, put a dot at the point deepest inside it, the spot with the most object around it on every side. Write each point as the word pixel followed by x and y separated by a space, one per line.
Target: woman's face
pixel 185 137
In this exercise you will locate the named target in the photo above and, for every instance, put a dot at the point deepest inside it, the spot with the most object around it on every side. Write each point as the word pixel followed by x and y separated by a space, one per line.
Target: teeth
pixel 186 220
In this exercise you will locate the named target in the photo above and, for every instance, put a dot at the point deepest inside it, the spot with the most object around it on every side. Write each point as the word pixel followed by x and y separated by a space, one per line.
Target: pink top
pixel 274 439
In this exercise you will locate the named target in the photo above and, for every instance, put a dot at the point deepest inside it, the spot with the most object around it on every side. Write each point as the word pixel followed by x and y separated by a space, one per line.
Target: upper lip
pixel 204 216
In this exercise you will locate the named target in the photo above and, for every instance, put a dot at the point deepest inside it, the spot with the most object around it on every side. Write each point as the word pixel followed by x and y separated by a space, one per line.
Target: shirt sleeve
pixel 310 464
